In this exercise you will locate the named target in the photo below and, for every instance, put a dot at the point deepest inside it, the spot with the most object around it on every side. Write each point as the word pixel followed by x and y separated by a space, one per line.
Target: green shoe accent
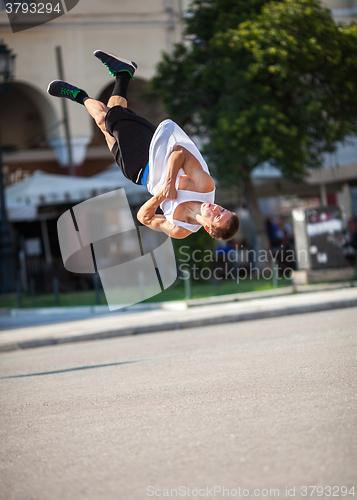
pixel 110 71
pixel 116 64
pixel 72 94
pixel 113 73
pixel 122 71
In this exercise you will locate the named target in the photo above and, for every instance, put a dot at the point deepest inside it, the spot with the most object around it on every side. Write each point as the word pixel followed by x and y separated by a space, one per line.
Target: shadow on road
pixel 69 370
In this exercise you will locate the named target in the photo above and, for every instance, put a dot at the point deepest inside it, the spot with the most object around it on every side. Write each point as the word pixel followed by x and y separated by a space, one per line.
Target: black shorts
pixel 133 136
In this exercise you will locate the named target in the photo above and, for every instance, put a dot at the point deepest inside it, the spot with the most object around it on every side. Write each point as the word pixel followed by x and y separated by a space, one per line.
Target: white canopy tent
pixel 23 198
pixel 136 194
pixel 20 211
pixel 40 188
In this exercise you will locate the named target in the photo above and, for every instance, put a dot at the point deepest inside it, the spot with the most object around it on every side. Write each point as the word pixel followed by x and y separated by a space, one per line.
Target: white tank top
pixel 167 135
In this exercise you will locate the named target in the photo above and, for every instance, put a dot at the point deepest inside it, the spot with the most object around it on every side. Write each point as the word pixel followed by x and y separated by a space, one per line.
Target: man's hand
pixel 169 191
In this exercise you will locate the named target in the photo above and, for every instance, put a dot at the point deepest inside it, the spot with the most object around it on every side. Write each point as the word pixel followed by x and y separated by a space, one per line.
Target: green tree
pixel 265 82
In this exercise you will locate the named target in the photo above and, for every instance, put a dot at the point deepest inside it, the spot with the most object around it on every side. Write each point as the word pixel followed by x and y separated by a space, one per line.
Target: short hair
pixel 228 230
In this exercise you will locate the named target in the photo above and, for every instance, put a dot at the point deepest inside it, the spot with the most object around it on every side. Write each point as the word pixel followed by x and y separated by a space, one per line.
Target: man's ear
pixel 207 228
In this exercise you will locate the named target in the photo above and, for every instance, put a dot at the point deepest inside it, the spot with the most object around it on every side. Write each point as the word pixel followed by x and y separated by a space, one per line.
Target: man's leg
pixel 117 100
pixel 134 141
pixel 99 111
pixel 96 109
pixel 120 90
pixel 123 70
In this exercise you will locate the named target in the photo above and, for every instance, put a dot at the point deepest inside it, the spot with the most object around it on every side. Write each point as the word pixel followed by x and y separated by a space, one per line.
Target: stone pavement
pixel 268 405
pixel 22 329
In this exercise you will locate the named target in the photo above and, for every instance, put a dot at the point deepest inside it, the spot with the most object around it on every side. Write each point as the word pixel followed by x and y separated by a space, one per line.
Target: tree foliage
pixel 267 82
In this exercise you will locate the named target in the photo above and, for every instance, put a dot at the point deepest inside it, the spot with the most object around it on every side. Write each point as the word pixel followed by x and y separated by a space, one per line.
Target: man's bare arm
pixel 149 218
pixel 147 211
pixel 175 162
pixel 192 168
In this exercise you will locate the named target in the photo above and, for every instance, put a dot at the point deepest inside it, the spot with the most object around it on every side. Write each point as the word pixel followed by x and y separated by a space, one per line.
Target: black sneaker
pixel 57 88
pixel 116 64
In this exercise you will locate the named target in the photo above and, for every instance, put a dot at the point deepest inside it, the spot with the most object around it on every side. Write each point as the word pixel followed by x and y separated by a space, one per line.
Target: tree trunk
pixel 262 245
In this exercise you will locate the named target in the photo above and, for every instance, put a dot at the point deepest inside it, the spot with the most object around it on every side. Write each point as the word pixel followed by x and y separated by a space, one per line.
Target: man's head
pixel 219 222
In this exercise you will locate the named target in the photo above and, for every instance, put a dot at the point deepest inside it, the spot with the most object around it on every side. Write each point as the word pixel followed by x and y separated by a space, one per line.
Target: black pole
pixel 188 292
pixel 65 114
pixel 55 291
pixel 8 275
pixel 19 293
pixel 96 289
pixel 32 291
pixel 7 254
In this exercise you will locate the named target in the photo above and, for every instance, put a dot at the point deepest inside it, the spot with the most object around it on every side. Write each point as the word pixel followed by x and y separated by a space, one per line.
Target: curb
pixel 44 311
pixel 288 290
pixel 177 325
pixel 181 305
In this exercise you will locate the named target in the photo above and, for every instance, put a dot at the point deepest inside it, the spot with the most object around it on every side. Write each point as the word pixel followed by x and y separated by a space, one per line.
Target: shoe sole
pixel 121 59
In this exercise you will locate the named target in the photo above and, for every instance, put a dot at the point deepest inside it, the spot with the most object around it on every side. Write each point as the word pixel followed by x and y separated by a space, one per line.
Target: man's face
pixel 214 214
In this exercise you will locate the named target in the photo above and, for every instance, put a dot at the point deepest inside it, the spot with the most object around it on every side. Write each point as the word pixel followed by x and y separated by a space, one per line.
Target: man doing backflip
pixel 164 159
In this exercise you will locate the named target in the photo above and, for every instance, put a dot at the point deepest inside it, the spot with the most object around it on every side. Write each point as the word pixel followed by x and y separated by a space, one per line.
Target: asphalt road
pixel 251 407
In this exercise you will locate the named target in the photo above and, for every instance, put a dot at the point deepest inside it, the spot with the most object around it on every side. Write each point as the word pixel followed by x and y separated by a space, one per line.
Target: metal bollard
pixel 32 291
pixel 96 289
pixel 188 293
pixel 19 293
pixel 275 275
pixel 55 291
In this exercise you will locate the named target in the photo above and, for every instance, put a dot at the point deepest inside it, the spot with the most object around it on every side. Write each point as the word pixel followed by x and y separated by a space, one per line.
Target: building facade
pixel 32 131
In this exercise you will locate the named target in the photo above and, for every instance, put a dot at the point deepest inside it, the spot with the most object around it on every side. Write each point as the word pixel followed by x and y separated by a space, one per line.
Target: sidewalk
pixel 21 328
